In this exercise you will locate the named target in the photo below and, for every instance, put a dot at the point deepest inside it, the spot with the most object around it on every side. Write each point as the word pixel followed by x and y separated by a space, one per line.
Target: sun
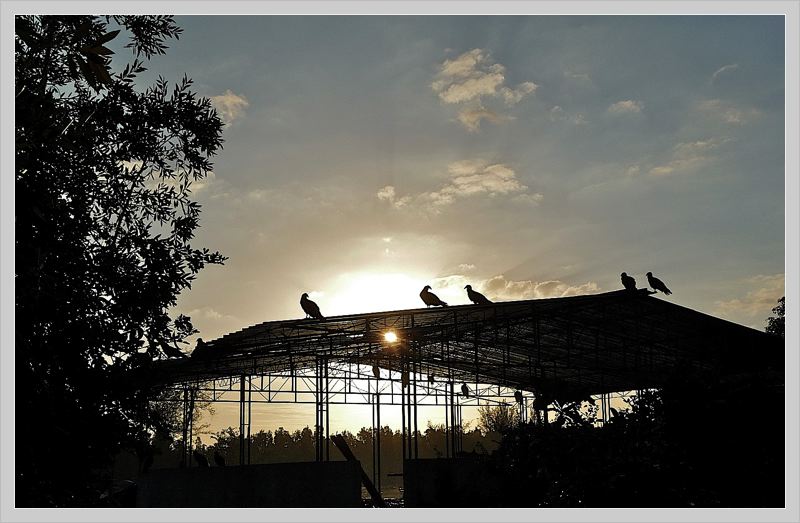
pixel 390 336
pixel 358 292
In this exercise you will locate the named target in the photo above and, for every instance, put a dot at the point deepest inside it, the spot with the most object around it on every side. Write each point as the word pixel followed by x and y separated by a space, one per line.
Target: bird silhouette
pixel 430 298
pixel 310 308
pixel 200 458
pixel 376 371
pixel 172 351
pixel 476 297
pixel 518 396
pixel 628 282
pixel 465 390
pixel 201 350
pixel 657 284
pixel 431 377
pixel 219 459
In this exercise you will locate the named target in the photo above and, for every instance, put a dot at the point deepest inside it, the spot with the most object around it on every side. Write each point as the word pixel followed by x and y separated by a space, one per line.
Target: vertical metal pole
pixel 241 420
pixel 402 413
pixel 446 424
pixel 378 439
pixel 186 461
pixel 249 415
pixel 416 430
pixel 327 415
pixel 317 413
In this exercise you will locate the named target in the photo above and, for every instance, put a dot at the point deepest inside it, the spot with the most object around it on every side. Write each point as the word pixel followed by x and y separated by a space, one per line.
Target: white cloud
pixel 467 178
pixel 471 118
pixel 762 295
pixel 230 105
pixel 529 198
pixel 388 194
pixel 728 112
pixel 722 70
pixel 689 156
pixel 472 78
pixel 626 107
pixel 466 267
pixel 498 288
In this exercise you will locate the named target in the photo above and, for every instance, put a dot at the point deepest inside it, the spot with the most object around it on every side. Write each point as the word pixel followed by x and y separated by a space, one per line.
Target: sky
pixel 531 157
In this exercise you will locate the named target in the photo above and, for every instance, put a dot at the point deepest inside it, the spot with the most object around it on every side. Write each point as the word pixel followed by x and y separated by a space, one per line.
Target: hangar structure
pixel 551 351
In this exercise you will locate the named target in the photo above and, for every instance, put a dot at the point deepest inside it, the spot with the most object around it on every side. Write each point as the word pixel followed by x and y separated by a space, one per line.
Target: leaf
pixel 108 37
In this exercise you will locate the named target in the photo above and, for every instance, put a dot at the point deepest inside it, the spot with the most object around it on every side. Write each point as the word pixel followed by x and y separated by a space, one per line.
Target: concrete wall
pixel 311 484
pixel 460 482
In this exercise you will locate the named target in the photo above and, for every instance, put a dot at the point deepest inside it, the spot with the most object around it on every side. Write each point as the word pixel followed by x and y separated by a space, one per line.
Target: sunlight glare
pixel 372 291
pixel 390 336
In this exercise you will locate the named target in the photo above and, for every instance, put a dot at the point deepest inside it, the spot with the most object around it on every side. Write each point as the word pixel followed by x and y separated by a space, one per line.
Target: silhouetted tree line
pixel 103 228
pixel 282 446
pixel 775 324
pixel 696 443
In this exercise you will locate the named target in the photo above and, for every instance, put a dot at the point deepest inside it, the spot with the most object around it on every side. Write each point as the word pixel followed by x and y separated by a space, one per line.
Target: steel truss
pixel 560 349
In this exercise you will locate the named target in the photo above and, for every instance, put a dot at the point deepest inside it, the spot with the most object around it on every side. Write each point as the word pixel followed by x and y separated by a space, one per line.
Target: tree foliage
pixel 775 324
pixel 104 223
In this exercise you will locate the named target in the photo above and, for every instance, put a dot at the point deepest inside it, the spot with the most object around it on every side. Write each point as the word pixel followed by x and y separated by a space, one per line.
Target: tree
pixel 775 324
pixel 500 418
pixel 104 222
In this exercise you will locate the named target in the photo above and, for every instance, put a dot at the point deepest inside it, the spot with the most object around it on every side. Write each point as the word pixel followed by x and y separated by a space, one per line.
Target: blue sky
pixel 529 156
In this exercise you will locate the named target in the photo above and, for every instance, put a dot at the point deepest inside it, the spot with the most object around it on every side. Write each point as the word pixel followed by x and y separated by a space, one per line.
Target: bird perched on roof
pixel 219 459
pixel 376 371
pixel 172 351
pixel 310 308
pixel 518 396
pixel 200 458
pixel 476 297
pixel 657 284
pixel 201 350
pixel 430 298
pixel 628 282
pixel 465 390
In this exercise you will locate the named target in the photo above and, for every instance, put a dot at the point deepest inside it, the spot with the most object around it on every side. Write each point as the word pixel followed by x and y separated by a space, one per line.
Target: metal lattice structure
pixel 558 349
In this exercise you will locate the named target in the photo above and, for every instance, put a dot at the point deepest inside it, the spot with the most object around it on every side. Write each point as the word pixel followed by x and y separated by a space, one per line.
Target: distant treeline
pixel 282 446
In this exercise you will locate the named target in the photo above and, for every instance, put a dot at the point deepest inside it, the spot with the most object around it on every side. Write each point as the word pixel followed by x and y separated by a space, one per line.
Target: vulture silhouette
pixel 628 282
pixel 518 396
pixel 310 308
pixel 657 284
pixel 219 459
pixel 465 390
pixel 476 297
pixel 200 458
pixel 201 350
pixel 430 298
pixel 376 371
pixel 172 351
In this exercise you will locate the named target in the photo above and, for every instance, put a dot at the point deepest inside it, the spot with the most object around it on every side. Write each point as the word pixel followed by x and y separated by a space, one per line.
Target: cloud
pixel 722 70
pixel 472 78
pixel 230 105
pixel 557 114
pixel 728 112
pixel 498 288
pixel 689 156
pixel 763 294
pixel 467 178
pixel 471 118
pixel 388 194
pixel 626 107
pixel 466 267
